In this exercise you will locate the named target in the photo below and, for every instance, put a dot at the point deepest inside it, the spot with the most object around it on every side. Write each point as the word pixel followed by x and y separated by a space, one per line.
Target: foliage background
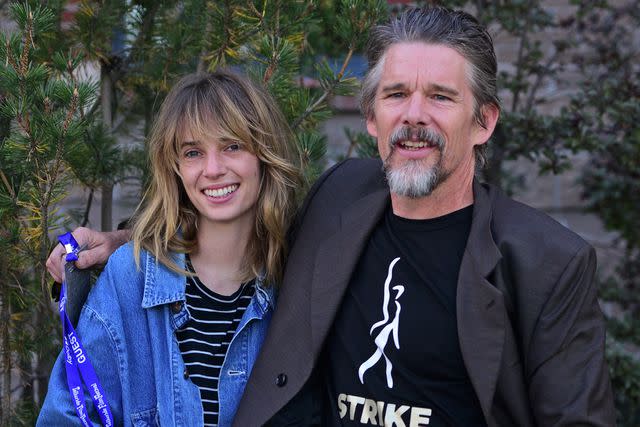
pixel 60 129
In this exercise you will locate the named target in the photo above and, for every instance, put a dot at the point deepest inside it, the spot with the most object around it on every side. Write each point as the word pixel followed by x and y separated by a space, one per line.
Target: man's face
pixel 423 119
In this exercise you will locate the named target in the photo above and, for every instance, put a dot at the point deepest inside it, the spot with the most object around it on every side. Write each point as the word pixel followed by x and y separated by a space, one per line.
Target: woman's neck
pixel 219 254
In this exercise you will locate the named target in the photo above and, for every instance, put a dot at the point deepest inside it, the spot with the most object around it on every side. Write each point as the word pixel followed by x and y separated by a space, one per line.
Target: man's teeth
pixel 220 192
pixel 414 144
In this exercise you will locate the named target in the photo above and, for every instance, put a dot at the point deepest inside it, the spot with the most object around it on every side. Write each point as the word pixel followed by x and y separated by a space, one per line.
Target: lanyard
pixel 77 364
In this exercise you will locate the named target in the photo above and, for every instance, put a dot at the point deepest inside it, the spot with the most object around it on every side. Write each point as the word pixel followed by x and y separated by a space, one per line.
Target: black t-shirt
pixel 393 357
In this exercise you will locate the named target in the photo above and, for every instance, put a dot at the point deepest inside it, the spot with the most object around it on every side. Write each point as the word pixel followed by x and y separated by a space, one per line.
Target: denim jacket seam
pixel 265 297
pixel 179 319
pixel 240 352
pixel 151 297
pixel 111 332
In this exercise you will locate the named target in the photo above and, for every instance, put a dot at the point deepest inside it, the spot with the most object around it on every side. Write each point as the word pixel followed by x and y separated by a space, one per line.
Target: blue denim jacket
pixel 127 328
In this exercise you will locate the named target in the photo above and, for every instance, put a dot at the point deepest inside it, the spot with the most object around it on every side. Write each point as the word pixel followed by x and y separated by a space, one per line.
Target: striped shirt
pixel 205 338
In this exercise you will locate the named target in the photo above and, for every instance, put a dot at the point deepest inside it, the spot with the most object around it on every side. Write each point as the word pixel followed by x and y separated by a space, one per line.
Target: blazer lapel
pixel 337 257
pixel 480 305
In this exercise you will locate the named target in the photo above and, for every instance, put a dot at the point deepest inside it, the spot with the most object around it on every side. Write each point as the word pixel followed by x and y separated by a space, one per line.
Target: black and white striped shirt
pixel 205 338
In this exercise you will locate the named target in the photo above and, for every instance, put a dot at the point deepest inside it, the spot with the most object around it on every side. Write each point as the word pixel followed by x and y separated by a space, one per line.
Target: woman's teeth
pixel 220 192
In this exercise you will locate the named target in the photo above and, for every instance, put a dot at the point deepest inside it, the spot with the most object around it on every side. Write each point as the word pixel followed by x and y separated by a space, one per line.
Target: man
pixel 413 294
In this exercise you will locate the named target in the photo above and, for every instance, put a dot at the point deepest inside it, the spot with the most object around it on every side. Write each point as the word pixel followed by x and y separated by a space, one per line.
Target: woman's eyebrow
pixel 189 143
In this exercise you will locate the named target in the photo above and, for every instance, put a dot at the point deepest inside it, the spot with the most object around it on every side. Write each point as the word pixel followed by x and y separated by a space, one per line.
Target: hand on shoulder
pixel 98 246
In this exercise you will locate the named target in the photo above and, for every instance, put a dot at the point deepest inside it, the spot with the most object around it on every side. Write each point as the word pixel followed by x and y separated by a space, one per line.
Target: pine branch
pixel 5 181
pixel 143 35
pixel 218 55
pixel 52 179
pixel 28 40
pixel 326 93
pixel 11 60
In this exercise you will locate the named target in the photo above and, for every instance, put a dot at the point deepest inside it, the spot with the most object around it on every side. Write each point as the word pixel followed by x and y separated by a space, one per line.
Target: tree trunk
pixel 106 98
pixel 44 355
pixel 5 350
pixel 87 209
pixel 106 207
pixel 25 368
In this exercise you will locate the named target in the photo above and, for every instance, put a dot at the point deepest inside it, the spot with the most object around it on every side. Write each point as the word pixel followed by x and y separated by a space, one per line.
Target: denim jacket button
pixel 176 307
pixel 281 380
pixel 186 374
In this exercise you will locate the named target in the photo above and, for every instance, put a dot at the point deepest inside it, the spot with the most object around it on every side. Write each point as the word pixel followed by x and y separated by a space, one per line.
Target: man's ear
pixel 490 113
pixel 372 128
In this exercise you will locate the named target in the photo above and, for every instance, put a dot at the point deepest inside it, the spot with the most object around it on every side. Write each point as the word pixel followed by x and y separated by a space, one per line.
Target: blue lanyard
pixel 77 364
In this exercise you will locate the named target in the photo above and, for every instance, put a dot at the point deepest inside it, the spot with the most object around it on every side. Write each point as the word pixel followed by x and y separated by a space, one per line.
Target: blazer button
pixel 281 380
pixel 176 307
pixel 186 374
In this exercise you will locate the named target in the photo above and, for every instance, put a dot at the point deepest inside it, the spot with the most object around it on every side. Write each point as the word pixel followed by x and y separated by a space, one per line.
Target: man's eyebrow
pixel 432 87
pixel 392 87
pixel 444 89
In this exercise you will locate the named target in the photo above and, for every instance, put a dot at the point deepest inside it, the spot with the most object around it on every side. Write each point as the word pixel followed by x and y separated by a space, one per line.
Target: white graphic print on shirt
pixel 390 326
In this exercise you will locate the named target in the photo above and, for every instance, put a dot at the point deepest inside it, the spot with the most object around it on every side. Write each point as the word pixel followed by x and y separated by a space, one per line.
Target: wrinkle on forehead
pixel 428 76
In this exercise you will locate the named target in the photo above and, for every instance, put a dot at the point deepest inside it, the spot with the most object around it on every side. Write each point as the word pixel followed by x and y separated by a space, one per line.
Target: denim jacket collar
pixel 163 286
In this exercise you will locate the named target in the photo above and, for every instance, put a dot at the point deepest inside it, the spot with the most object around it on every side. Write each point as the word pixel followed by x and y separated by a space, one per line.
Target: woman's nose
pixel 215 165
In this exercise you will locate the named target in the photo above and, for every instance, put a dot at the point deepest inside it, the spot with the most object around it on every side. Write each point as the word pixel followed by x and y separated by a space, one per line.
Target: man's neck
pixel 442 201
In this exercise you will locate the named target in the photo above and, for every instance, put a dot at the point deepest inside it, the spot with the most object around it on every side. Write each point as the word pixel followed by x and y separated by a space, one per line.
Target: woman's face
pixel 221 178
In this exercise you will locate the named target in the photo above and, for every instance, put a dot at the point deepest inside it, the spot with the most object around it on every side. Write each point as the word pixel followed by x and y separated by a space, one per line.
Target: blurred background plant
pixel 75 92
pixel 57 130
pixel 43 122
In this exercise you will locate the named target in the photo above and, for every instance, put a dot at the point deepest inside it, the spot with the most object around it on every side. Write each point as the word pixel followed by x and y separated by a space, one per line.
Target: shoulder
pixel 538 254
pixel 349 180
pixel 121 282
pixel 338 187
pixel 354 173
pixel 122 264
pixel 513 221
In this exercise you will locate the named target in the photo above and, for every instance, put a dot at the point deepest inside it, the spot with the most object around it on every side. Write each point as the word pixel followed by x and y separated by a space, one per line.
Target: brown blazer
pixel 530 328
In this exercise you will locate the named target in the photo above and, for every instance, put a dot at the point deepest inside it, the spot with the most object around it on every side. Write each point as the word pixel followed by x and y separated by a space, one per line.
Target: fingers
pixel 92 258
pixel 97 247
pixel 55 263
pixel 86 237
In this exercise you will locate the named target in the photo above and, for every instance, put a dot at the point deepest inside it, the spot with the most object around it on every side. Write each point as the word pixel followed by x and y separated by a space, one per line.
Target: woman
pixel 175 322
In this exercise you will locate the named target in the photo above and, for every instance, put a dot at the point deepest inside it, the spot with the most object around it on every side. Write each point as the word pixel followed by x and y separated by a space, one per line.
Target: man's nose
pixel 215 165
pixel 416 113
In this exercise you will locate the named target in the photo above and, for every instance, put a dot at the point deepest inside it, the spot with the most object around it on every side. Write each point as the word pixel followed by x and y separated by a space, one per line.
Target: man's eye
pixel 439 97
pixel 396 95
pixel 232 147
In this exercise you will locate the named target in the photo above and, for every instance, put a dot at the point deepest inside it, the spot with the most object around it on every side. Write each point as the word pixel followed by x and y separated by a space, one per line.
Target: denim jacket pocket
pixel 148 418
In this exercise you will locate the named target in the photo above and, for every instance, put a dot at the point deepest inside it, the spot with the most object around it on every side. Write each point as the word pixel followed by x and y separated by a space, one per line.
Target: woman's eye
pixel 232 147
pixel 191 154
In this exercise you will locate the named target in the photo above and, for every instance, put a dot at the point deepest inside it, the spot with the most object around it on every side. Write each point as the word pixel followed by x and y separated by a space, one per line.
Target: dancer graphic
pixel 390 326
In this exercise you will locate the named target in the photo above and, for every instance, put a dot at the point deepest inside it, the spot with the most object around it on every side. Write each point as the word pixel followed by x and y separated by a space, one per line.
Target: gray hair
pixel 457 30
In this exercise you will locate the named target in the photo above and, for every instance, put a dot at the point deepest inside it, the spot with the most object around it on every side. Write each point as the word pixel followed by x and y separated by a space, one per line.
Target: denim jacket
pixel 127 328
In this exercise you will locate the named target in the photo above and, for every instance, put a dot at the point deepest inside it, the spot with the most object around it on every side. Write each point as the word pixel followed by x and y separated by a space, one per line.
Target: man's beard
pixel 412 178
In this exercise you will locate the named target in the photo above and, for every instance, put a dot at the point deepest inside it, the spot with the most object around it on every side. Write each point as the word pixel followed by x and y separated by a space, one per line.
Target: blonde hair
pixel 228 106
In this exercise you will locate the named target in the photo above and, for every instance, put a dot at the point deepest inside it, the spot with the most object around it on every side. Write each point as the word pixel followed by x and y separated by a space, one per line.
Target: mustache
pixel 407 133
